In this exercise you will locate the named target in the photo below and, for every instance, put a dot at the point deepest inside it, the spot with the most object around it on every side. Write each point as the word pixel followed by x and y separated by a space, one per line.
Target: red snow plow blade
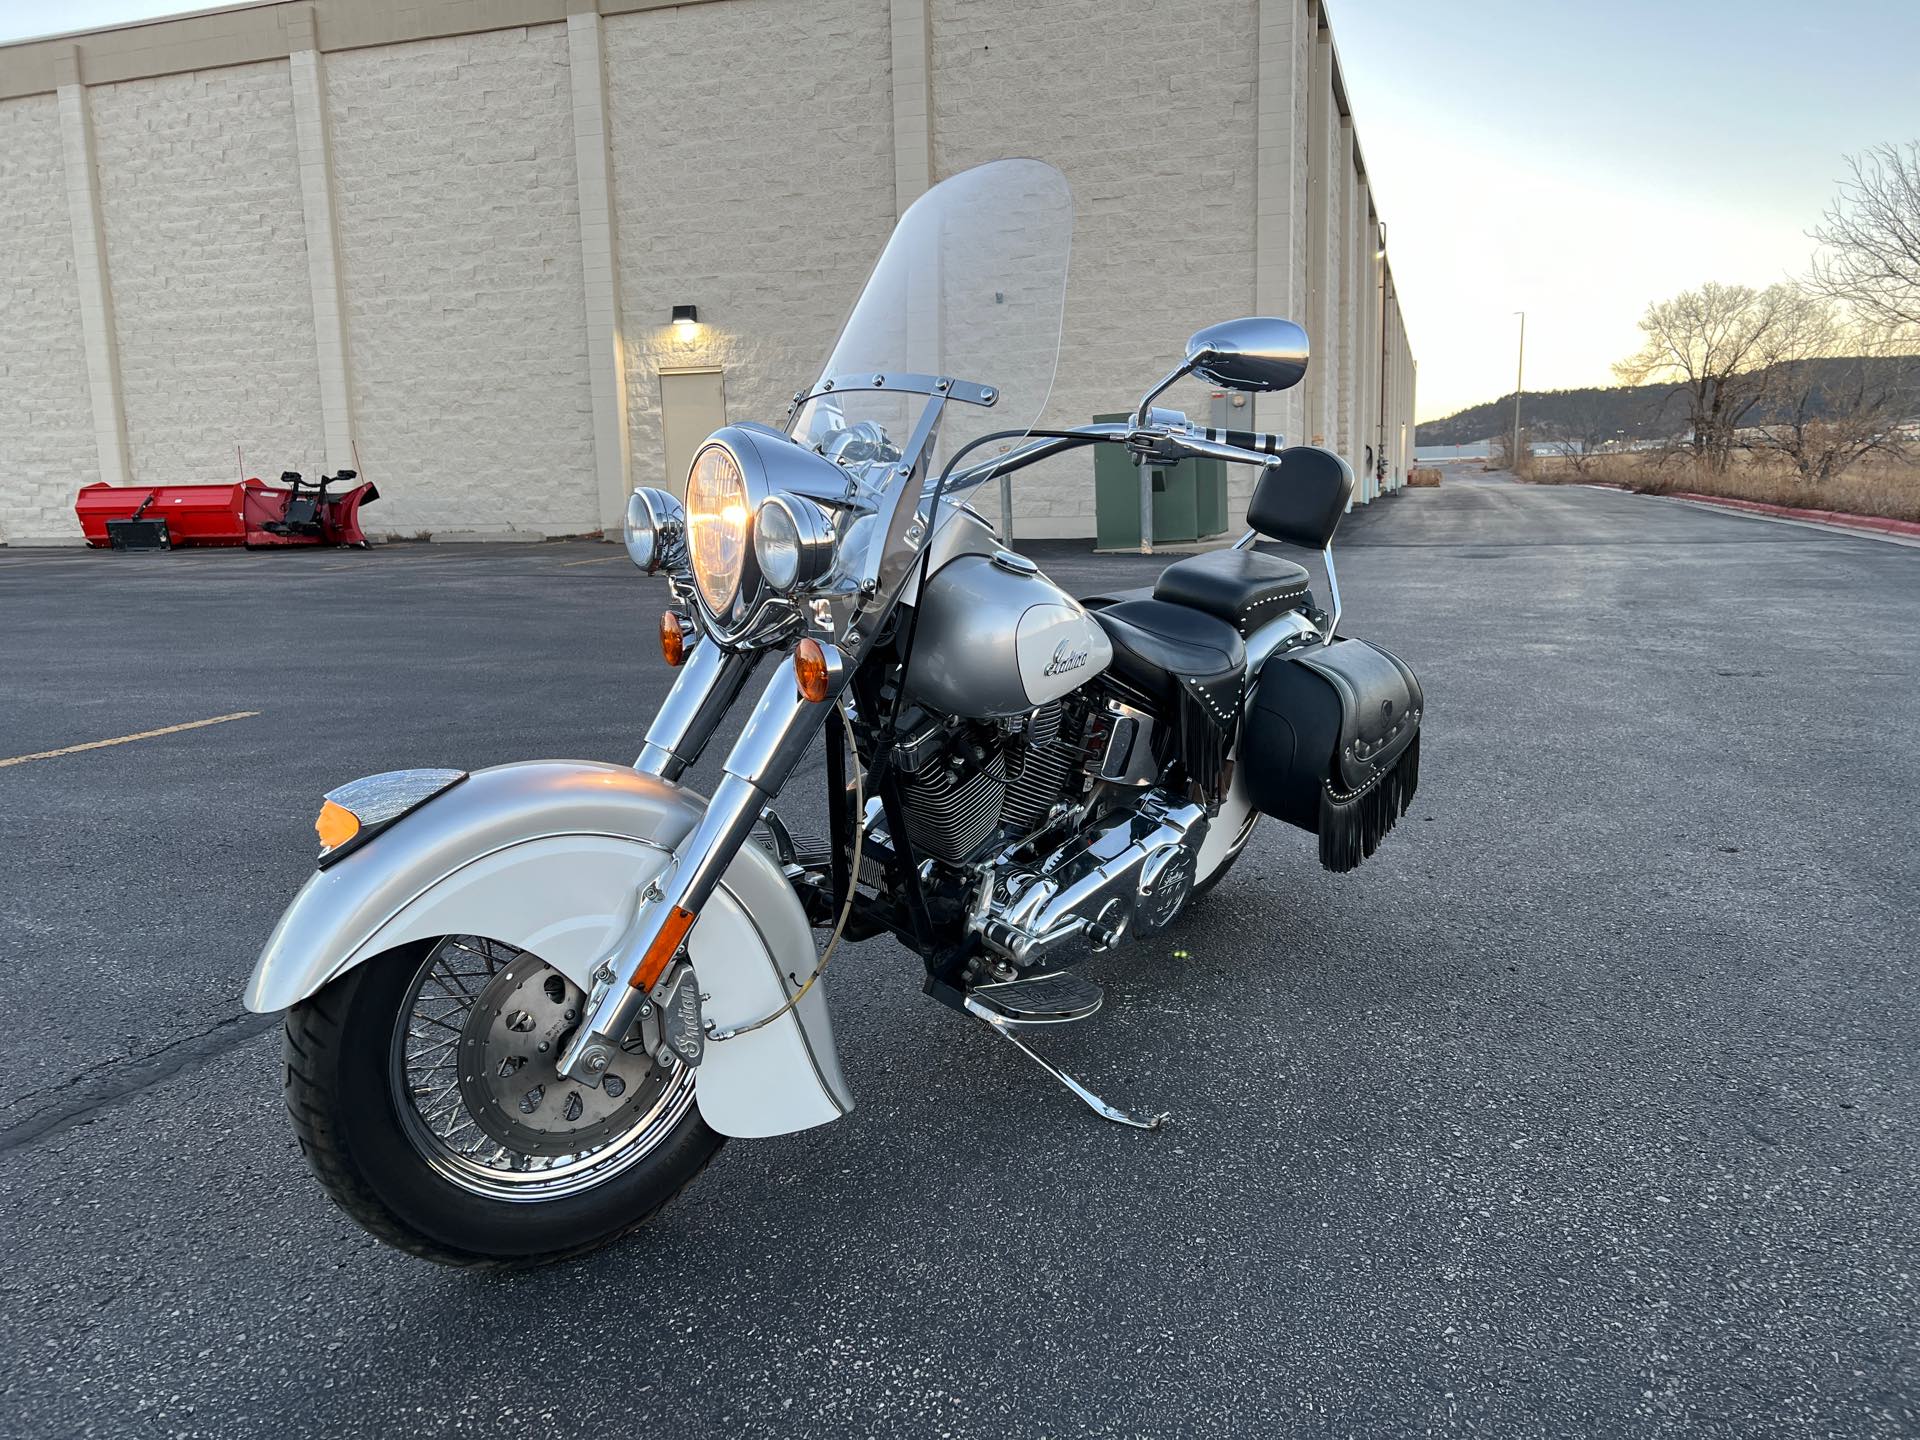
pixel 250 513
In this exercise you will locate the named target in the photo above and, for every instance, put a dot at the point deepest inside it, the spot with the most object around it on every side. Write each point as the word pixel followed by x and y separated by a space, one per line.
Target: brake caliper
pixel 683 1033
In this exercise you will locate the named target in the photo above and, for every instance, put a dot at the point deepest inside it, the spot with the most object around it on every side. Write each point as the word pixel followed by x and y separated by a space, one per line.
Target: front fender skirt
pixel 550 856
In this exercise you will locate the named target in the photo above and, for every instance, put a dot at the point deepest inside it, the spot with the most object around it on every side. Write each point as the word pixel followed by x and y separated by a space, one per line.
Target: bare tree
pixel 1719 346
pixel 1871 239
pixel 1583 429
pixel 1501 454
pixel 1839 399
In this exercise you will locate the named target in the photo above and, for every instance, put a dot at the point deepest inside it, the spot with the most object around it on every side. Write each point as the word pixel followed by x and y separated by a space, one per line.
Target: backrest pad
pixel 1301 496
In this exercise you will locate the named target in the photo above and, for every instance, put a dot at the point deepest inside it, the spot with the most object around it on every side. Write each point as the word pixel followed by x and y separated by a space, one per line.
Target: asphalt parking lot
pixel 1588 1106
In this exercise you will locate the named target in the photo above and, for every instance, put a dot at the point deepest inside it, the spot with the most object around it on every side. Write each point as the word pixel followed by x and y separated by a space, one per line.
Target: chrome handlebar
pixel 1167 437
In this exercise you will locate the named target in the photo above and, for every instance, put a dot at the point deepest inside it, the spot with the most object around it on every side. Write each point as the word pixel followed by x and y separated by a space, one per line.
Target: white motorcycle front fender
pixel 550 857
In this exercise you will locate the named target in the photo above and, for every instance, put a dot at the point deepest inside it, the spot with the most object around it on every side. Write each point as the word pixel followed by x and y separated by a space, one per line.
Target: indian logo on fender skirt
pixel 1065 658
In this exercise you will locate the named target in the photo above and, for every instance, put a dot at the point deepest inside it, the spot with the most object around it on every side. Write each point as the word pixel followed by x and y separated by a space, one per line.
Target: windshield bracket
pixel 964 391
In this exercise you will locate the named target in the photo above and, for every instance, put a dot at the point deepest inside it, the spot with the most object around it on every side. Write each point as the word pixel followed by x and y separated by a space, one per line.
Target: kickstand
pixel 1093 1102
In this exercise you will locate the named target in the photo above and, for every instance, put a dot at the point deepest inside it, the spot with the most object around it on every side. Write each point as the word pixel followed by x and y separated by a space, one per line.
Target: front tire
pixel 421 1091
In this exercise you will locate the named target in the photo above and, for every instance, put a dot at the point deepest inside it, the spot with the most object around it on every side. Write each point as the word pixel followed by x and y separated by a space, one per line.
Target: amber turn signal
pixel 335 825
pixel 664 947
pixel 673 639
pixel 810 669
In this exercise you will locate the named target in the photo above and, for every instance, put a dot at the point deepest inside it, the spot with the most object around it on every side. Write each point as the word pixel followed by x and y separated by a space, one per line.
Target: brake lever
pixel 1168 445
pixel 1156 446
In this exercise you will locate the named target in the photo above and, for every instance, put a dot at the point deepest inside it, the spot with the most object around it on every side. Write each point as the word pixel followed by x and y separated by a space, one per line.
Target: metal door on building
pixel 693 404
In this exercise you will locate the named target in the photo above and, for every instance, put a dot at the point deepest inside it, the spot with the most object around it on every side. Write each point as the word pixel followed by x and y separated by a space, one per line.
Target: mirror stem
pixel 1146 404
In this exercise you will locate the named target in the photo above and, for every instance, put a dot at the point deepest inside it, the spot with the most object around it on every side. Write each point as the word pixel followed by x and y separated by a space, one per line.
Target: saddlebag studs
pixel 1052 999
pixel 1353 823
pixel 1332 745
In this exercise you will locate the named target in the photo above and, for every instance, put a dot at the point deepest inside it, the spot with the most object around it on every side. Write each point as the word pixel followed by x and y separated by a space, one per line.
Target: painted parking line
pixel 128 739
pixel 596 560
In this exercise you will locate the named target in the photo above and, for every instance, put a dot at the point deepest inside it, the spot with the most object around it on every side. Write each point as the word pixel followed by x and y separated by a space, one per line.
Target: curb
pixel 1841 518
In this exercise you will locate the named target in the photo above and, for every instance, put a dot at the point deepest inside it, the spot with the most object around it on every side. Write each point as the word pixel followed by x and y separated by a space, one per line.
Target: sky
pixel 1575 159
pixel 1579 160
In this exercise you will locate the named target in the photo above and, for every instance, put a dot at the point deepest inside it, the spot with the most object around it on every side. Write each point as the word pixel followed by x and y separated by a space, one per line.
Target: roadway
pixel 1588 1106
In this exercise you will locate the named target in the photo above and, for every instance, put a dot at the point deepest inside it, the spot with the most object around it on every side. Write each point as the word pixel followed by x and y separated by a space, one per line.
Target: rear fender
pixel 550 857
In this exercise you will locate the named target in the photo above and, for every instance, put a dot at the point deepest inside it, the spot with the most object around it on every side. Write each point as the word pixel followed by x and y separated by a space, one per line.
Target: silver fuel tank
pixel 996 637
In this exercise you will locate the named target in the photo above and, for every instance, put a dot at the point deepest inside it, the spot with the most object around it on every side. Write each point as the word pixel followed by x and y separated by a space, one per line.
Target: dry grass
pixel 1423 476
pixel 1873 487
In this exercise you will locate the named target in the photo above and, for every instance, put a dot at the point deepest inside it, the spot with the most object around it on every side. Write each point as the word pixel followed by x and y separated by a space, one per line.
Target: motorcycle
pixel 526 1005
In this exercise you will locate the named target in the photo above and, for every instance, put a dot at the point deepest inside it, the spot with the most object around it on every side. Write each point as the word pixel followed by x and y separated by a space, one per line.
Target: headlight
pixel 642 538
pixel 656 524
pixel 717 526
pixel 792 542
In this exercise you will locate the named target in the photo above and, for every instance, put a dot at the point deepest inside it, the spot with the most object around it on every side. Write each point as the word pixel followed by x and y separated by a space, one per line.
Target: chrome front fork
pixel 775 737
pixel 702 693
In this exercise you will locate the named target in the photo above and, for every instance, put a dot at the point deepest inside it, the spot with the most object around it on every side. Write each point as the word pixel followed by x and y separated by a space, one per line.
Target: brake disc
pixel 510 1049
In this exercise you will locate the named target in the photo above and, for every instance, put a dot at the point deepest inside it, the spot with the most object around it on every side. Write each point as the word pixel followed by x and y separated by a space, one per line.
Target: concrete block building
pixel 441 243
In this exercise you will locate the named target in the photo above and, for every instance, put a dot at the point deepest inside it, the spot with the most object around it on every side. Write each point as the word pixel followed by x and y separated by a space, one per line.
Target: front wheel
pixel 424 1092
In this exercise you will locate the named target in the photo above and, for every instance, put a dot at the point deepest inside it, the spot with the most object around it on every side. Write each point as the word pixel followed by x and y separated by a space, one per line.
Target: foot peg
pixel 1007 1029
pixel 1040 999
pixel 792 847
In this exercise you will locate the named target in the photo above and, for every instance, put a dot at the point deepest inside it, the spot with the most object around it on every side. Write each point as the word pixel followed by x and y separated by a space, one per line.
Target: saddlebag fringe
pixel 1353 823
pixel 1204 744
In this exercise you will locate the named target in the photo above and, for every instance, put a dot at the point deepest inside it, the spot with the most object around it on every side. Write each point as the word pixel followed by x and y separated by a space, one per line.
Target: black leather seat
pixel 1242 587
pixel 1160 649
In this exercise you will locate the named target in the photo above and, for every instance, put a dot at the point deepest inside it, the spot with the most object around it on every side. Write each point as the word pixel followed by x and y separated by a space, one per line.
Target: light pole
pixel 1519 384
pixel 1380 329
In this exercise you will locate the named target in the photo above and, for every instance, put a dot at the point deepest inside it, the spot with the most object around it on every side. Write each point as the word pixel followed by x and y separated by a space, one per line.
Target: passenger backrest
pixel 1301 496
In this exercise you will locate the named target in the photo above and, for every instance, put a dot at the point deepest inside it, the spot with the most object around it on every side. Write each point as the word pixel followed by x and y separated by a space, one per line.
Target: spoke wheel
pixel 474 1054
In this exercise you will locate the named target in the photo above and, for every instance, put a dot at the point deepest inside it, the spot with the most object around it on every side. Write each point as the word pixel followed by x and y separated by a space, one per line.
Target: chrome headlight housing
pixel 743 476
pixel 792 542
pixel 656 530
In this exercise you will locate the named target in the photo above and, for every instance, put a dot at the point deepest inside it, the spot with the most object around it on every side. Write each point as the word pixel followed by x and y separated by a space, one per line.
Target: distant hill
pixel 1628 412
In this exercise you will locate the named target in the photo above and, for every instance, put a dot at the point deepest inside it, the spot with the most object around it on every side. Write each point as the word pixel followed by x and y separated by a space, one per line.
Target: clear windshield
pixel 972 287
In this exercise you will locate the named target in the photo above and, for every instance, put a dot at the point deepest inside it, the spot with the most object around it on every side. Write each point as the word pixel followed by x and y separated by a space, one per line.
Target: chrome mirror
pixel 1255 353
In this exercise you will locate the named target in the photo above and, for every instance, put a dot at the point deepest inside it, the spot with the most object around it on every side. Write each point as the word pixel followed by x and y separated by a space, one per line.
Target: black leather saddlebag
pixel 1331 744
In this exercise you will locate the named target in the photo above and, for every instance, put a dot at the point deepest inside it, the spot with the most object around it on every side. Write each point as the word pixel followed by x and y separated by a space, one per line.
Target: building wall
pixel 460 253
pixel 760 201
pixel 200 204
pixel 509 231
pixel 46 435
pixel 1163 187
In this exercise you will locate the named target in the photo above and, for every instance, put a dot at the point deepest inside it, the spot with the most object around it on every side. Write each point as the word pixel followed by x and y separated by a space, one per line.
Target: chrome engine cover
pixel 1134 868
pixel 996 638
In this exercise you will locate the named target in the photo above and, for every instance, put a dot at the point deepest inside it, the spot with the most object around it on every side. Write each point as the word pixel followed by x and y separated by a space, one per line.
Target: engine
pixel 967 783
pixel 1124 856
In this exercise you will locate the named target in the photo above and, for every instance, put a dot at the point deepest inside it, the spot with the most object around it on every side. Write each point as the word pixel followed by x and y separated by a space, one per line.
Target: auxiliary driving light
pixel 792 542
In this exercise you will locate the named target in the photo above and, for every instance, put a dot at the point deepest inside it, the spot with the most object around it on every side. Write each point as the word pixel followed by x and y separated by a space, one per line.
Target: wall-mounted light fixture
pixel 1381 253
pixel 686 319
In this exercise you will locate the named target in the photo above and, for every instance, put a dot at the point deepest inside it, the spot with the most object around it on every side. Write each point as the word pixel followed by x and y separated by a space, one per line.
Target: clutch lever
pixel 1167 441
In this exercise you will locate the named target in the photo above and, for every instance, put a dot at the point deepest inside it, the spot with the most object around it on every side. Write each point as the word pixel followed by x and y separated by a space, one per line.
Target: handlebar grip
pixel 1261 440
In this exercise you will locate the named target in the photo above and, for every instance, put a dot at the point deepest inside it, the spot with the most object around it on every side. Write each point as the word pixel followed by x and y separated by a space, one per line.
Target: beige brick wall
pixel 206 256
pixel 46 425
pixel 756 146
pixel 460 251
pixel 753 177
pixel 1162 185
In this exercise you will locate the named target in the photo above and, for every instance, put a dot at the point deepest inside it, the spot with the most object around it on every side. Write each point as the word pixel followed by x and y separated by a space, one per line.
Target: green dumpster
pixel 1189 499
